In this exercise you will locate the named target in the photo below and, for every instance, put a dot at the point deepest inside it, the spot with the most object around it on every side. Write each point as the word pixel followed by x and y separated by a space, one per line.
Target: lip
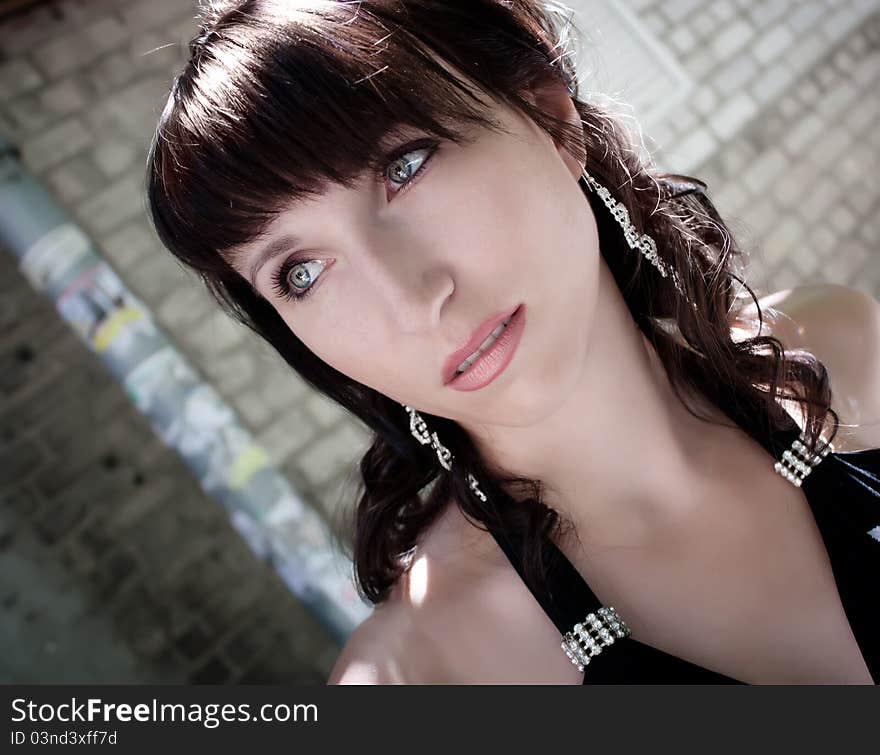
pixel 493 361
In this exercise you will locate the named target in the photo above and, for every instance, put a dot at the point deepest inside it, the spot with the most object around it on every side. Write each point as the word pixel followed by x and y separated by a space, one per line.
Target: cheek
pixel 355 352
pixel 525 231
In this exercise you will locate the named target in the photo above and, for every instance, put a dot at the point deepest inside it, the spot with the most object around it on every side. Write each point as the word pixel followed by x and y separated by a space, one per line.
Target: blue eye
pixel 300 284
pixel 405 168
pixel 402 170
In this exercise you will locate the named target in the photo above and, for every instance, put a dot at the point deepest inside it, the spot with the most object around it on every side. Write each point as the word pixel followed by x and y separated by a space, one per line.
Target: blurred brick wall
pixel 114 567
pixel 781 124
pixel 119 568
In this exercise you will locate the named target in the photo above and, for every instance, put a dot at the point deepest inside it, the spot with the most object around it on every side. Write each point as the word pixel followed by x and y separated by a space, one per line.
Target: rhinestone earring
pixel 639 242
pixel 419 429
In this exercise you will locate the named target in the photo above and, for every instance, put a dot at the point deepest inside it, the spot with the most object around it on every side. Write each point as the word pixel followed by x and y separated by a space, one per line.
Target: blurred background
pixel 123 560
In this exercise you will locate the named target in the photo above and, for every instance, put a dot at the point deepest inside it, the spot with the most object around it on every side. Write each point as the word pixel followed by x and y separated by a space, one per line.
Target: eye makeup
pixel 280 278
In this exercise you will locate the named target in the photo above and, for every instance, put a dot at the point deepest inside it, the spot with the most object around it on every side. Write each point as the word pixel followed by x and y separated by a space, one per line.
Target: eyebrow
pixel 268 252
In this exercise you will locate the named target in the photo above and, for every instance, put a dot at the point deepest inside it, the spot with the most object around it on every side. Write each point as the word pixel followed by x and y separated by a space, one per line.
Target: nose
pixel 412 283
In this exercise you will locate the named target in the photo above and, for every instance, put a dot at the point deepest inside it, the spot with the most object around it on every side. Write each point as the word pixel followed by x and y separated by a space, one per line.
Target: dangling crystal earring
pixel 639 242
pixel 419 430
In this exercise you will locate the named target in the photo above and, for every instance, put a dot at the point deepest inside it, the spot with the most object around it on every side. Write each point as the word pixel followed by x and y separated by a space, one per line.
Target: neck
pixel 618 449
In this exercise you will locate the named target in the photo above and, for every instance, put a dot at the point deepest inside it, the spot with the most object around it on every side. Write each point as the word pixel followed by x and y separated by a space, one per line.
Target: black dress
pixel 843 491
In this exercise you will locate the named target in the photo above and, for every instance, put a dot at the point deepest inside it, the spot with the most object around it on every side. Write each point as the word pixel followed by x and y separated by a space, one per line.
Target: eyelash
pixel 280 281
pixel 279 278
pixel 422 144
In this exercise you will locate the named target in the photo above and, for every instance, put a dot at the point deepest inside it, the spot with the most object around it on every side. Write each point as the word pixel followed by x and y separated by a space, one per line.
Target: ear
pixel 555 100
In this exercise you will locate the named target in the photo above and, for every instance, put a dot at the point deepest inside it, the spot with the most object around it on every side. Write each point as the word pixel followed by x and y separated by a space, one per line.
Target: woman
pixel 383 189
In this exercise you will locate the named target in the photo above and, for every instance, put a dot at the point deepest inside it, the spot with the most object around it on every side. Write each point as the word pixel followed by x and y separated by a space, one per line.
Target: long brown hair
pixel 280 98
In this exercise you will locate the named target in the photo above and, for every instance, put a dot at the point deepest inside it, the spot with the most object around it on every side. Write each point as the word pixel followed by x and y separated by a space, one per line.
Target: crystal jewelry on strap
pixel 798 461
pixel 587 638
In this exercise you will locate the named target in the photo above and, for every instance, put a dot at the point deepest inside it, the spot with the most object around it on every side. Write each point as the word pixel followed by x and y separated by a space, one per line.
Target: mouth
pixel 487 353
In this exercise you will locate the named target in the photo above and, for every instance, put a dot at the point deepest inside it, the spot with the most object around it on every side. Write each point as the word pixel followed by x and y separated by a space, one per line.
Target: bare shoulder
pixel 370 654
pixel 840 325
pixel 466 624
pixel 400 643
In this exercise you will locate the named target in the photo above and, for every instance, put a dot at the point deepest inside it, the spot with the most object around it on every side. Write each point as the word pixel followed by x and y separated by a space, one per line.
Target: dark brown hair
pixel 281 98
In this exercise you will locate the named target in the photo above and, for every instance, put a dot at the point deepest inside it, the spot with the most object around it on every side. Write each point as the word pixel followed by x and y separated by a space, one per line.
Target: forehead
pixel 241 255
pixel 276 235
pixel 247 257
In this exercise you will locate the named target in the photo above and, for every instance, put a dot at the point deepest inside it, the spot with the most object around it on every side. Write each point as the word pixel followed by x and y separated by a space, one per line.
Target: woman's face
pixel 401 272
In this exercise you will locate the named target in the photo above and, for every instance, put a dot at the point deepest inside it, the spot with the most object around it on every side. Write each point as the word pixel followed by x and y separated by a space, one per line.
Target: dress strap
pixel 586 626
pixel 567 597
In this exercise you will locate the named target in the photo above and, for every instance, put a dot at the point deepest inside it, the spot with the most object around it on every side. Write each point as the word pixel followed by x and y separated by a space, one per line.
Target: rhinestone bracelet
pixel 798 461
pixel 587 639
